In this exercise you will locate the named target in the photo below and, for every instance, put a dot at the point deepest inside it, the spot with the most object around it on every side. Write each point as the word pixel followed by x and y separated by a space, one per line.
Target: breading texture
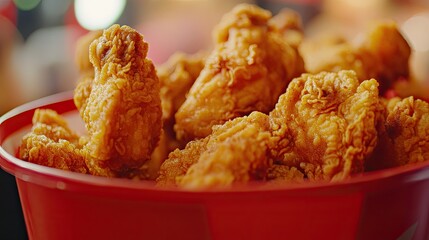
pixel 247 71
pixel 325 125
pixel 179 161
pixel 403 134
pixel 123 110
pixel 176 77
pixel 86 70
pixel 288 23
pixel 383 54
pixel 236 152
pixel 278 173
pixel 51 143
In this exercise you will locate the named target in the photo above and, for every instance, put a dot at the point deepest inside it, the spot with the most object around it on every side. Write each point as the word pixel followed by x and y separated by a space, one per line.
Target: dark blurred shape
pixel 307 9
pixel 29 21
pixel 11 218
pixel 26 5
pixel 12 222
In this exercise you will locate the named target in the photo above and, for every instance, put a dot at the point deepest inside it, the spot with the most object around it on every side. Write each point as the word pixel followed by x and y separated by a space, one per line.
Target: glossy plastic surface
pixel 388 204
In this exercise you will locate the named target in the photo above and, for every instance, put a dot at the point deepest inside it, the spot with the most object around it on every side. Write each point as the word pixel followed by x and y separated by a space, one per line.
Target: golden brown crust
pixel 51 143
pixel 403 134
pixel 289 24
pixel 383 54
pixel 236 152
pixel 123 111
pixel 84 83
pixel 176 77
pixel 247 71
pixel 326 124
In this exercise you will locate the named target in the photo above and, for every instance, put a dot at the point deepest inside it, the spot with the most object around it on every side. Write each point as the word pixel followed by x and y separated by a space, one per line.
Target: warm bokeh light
pixel 26 5
pixel 98 14
pixel 416 29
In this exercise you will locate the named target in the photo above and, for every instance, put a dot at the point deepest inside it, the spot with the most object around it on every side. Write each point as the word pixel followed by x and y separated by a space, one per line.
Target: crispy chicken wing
pixel 51 143
pixel 383 55
pixel 248 69
pixel 325 125
pixel 236 152
pixel 403 134
pixel 123 111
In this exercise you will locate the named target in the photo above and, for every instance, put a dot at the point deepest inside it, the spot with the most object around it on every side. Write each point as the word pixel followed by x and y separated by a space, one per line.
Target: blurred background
pixel 38 37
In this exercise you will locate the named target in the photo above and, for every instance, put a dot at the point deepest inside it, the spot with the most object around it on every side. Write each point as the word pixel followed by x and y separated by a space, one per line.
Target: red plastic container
pixel 388 204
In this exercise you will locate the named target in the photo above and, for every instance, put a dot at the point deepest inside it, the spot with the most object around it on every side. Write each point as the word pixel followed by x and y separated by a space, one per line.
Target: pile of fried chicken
pixel 264 105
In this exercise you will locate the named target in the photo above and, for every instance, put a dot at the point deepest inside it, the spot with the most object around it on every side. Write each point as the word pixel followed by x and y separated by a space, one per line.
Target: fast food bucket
pixel 387 204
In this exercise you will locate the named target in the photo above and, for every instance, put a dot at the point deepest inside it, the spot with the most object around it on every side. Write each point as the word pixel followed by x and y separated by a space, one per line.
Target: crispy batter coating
pixel 325 124
pixel 218 109
pixel 384 55
pixel 51 143
pixel 179 161
pixel 236 152
pixel 82 50
pixel 123 111
pixel 403 134
pixel 248 70
pixel 83 90
pixel 385 41
pixel 176 77
pixel 288 22
pixel 278 173
pixel 84 83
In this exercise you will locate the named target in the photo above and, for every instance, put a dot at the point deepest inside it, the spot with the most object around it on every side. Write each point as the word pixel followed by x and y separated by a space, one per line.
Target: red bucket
pixel 388 204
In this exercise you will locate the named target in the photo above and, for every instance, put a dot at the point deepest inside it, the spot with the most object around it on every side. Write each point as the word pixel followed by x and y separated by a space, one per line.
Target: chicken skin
pixel 86 78
pixel 123 111
pixel 248 111
pixel 51 143
pixel 403 134
pixel 236 152
pixel 289 24
pixel 247 71
pixel 322 128
pixel 176 77
pixel 325 125
pixel 384 55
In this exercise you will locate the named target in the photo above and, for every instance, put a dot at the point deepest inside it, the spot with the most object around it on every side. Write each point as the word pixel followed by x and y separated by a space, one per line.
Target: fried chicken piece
pixel 278 173
pixel 179 161
pixel 51 143
pixel 412 87
pixel 325 125
pixel 236 152
pixel 82 50
pixel 383 55
pixel 176 77
pixel 123 111
pixel 150 168
pixel 403 134
pixel 288 22
pixel 247 71
pixel 86 78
